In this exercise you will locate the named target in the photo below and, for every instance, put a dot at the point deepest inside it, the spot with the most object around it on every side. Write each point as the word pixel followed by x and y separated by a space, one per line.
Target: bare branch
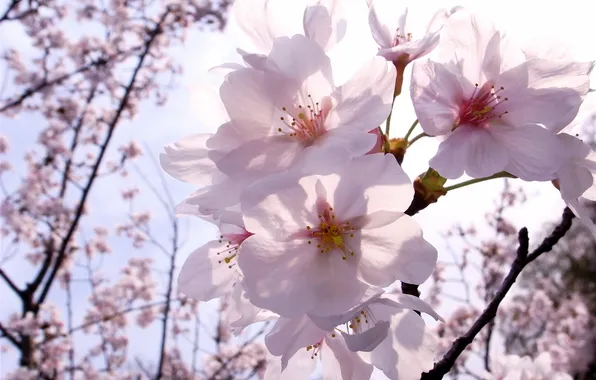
pixel 11 284
pixel 522 259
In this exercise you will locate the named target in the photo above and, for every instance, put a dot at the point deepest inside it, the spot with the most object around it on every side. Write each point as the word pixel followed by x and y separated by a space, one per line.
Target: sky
pixel 569 22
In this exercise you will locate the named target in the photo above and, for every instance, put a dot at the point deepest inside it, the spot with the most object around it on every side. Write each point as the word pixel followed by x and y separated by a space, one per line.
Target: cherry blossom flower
pixel 324 243
pixel 513 367
pixel 494 106
pixel 389 25
pixel 389 334
pixel 240 312
pixel 299 342
pixel 262 21
pixel 366 329
pixel 577 177
pixel 211 271
pixel 293 114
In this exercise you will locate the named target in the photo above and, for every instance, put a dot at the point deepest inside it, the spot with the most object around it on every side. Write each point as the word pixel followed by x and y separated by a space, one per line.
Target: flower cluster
pixel 314 215
pixel 513 367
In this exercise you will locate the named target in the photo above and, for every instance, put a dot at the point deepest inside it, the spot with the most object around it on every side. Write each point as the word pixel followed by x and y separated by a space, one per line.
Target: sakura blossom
pixel 325 243
pixel 211 270
pixel 515 368
pixel 263 21
pixel 293 114
pixel 577 177
pixel 495 107
pixel 300 343
pixel 302 245
pixel 396 36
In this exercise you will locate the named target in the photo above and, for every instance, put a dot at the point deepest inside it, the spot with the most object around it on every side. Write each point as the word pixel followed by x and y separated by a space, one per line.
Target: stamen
pixel 306 125
pixel 482 105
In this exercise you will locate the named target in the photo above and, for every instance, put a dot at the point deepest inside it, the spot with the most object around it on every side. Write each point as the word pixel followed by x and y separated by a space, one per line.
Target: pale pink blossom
pixel 325 243
pixel 262 21
pixel 388 334
pixel 496 109
pixel 211 270
pixel 397 38
pixel 294 114
pixel 300 344
pixel 576 179
pixel 513 367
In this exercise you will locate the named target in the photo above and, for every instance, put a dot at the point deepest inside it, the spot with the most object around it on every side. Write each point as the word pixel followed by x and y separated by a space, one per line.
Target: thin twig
pixel 522 259
pixel 6 334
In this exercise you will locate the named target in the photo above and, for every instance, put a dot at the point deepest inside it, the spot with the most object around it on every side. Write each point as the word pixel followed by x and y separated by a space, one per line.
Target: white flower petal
pixel 369 339
pixel 472 150
pixel 398 252
pixel 205 275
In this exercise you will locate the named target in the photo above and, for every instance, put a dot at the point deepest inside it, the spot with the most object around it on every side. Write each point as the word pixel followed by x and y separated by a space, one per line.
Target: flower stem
pixel 416 138
pixel 388 122
pixel 478 180
pixel 414 124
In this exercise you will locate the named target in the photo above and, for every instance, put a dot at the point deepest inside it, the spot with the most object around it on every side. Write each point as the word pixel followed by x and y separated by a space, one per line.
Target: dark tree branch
pixel 11 6
pixel 90 182
pixel 522 259
pixel 11 284
pixel 6 334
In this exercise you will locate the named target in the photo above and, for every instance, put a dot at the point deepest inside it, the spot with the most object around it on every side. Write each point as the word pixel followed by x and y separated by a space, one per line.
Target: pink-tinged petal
pixel 368 184
pixel 342 364
pixel 252 17
pixel 228 137
pixel 548 93
pixel 290 335
pixel 222 195
pixel 281 276
pixel 256 61
pixel 376 219
pixel 435 92
pixel 534 152
pixel 301 365
pixel 481 50
pixel 241 313
pixel 472 150
pixel 332 151
pixel 369 339
pixel 278 207
pixel 586 116
pixel 396 251
pixel 329 322
pixel 583 214
pixel 261 157
pixel 574 177
pixel 225 68
pixel 364 102
pixel 187 160
pixel 406 301
pixel 384 18
pixel 247 102
pixel 439 18
pixel 341 291
pixel 408 351
pixel 205 274
pixel 300 58
pixel 324 24
pixel 413 50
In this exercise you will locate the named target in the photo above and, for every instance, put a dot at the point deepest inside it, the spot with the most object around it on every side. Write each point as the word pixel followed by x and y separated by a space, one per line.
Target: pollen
pixel 484 105
pixel 305 123
pixel 332 234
